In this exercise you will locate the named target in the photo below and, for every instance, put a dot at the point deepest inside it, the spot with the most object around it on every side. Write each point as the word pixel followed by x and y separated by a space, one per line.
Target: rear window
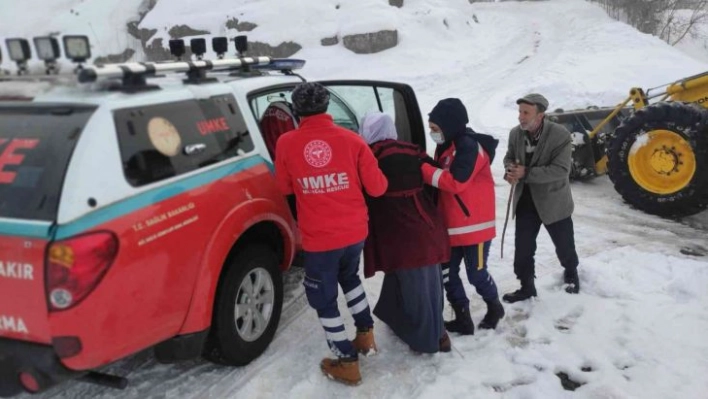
pixel 36 143
pixel 161 141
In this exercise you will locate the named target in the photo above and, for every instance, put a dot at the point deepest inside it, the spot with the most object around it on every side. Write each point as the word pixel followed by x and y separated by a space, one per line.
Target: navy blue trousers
pixel 528 225
pixel 323 272
pixel 475 257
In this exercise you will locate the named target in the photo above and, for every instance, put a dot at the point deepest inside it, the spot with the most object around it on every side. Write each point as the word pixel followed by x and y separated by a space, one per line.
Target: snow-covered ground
pixel 636 330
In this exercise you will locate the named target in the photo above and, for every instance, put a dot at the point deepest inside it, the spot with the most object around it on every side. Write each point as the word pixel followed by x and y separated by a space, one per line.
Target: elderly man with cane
pixel 537 165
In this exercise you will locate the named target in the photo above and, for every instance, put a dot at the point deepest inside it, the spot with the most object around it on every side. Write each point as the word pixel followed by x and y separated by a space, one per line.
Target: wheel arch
pixel 256 221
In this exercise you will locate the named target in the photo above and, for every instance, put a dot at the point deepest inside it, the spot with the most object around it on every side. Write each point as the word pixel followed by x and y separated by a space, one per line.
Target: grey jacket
pixel 548 173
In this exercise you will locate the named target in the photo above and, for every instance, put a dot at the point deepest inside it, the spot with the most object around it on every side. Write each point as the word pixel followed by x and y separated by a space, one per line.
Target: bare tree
pixel 681 19
pixel 671 20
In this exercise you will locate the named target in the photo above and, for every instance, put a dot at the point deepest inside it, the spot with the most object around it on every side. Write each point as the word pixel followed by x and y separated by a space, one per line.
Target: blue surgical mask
pixel 437 137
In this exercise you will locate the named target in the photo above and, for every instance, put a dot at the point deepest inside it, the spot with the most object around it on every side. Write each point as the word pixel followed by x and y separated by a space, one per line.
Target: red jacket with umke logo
pixel 326 167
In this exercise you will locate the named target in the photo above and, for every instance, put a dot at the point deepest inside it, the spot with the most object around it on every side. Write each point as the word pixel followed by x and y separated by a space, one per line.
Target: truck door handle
pixel 193 149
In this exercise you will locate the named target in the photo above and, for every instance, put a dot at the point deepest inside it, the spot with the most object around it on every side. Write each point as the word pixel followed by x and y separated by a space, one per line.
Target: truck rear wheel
pixel 248 303
pixel 658 159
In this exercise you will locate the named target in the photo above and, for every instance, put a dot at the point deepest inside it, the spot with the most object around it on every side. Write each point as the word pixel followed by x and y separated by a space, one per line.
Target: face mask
pixel 437 137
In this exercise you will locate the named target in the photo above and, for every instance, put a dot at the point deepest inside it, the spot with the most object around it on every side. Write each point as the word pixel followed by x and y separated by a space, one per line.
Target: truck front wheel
pixel 248 303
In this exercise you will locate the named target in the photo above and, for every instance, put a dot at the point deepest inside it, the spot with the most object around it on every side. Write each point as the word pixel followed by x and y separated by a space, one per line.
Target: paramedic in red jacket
pixel 466 197
pixel 326 167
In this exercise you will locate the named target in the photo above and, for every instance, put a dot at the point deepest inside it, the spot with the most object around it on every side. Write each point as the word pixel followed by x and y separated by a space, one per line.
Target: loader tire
pixel 658 159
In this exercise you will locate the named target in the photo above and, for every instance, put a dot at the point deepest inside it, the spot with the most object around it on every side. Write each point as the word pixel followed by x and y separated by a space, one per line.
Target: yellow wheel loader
pixel 654 146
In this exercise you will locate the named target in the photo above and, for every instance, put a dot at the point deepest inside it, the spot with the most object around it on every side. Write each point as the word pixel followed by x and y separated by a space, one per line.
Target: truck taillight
pixel 75 266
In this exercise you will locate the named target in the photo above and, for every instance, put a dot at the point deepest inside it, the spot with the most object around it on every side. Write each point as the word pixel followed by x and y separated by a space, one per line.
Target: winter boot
pixel 495 311
pixel 527 290
pixel 364 342
pixel 462 323
pixel 445 344
pixel 570 277
pixel 344 370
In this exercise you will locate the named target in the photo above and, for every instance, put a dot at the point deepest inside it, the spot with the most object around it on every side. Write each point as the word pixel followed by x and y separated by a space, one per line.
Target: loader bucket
pixel 589 158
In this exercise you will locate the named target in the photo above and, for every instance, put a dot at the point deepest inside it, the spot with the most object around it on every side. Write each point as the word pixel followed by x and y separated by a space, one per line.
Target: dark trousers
pixel 475 257
pixel 528 224
pixel 323 271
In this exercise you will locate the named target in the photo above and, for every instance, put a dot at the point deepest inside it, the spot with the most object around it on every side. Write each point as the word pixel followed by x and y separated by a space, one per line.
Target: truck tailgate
pixel 23 304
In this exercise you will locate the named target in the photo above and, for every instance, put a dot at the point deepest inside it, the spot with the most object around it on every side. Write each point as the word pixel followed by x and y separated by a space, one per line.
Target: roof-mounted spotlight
pixel 47 49
pixel 241 44
pixel 198 47
pixel 220 45
pixel 177 48
pixel 77 48
pixel 19 51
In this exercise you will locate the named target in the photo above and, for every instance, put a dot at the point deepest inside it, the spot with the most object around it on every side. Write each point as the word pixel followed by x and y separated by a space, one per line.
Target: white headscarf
pixel 376 126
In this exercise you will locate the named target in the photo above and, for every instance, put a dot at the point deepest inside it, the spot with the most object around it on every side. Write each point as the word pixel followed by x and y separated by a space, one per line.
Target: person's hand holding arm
pixel 372 178
pixel 461 173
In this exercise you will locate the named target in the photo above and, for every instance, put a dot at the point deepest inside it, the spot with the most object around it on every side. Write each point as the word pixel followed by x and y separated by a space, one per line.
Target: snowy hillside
pixel 637 330
pixel 566 47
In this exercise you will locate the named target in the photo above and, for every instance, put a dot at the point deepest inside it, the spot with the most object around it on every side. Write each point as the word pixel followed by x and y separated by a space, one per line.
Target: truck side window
pixel 161 141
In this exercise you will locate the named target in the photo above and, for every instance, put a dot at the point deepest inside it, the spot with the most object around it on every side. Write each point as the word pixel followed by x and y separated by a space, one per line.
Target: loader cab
pixel 580 123
pixel 585 120
pixel 588 156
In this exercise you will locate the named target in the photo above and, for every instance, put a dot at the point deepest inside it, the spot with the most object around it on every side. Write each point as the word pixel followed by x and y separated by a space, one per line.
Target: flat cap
pixel 534 99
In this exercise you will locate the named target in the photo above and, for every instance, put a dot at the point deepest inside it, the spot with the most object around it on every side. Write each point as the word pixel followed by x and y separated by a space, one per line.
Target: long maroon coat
pixel 406 230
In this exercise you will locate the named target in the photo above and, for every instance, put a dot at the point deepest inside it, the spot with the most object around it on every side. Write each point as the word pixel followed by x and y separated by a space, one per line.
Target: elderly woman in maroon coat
pixel 407 241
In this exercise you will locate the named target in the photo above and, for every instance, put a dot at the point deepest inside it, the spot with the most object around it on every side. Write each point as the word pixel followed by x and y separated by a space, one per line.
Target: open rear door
pixel 352 99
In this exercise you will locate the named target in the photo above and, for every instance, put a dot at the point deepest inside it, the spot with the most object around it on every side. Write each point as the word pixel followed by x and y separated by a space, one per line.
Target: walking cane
pixel 506 218
pixel 508 206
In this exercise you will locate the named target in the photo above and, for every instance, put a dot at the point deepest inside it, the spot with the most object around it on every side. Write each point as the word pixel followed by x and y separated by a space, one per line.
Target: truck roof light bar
pixel 93 73
pixel 283 64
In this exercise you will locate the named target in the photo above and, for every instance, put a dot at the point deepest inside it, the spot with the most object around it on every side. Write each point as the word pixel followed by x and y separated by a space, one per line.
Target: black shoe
pixel 463 321
pixel 570 277
pixel 526 291
pixel 495 311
